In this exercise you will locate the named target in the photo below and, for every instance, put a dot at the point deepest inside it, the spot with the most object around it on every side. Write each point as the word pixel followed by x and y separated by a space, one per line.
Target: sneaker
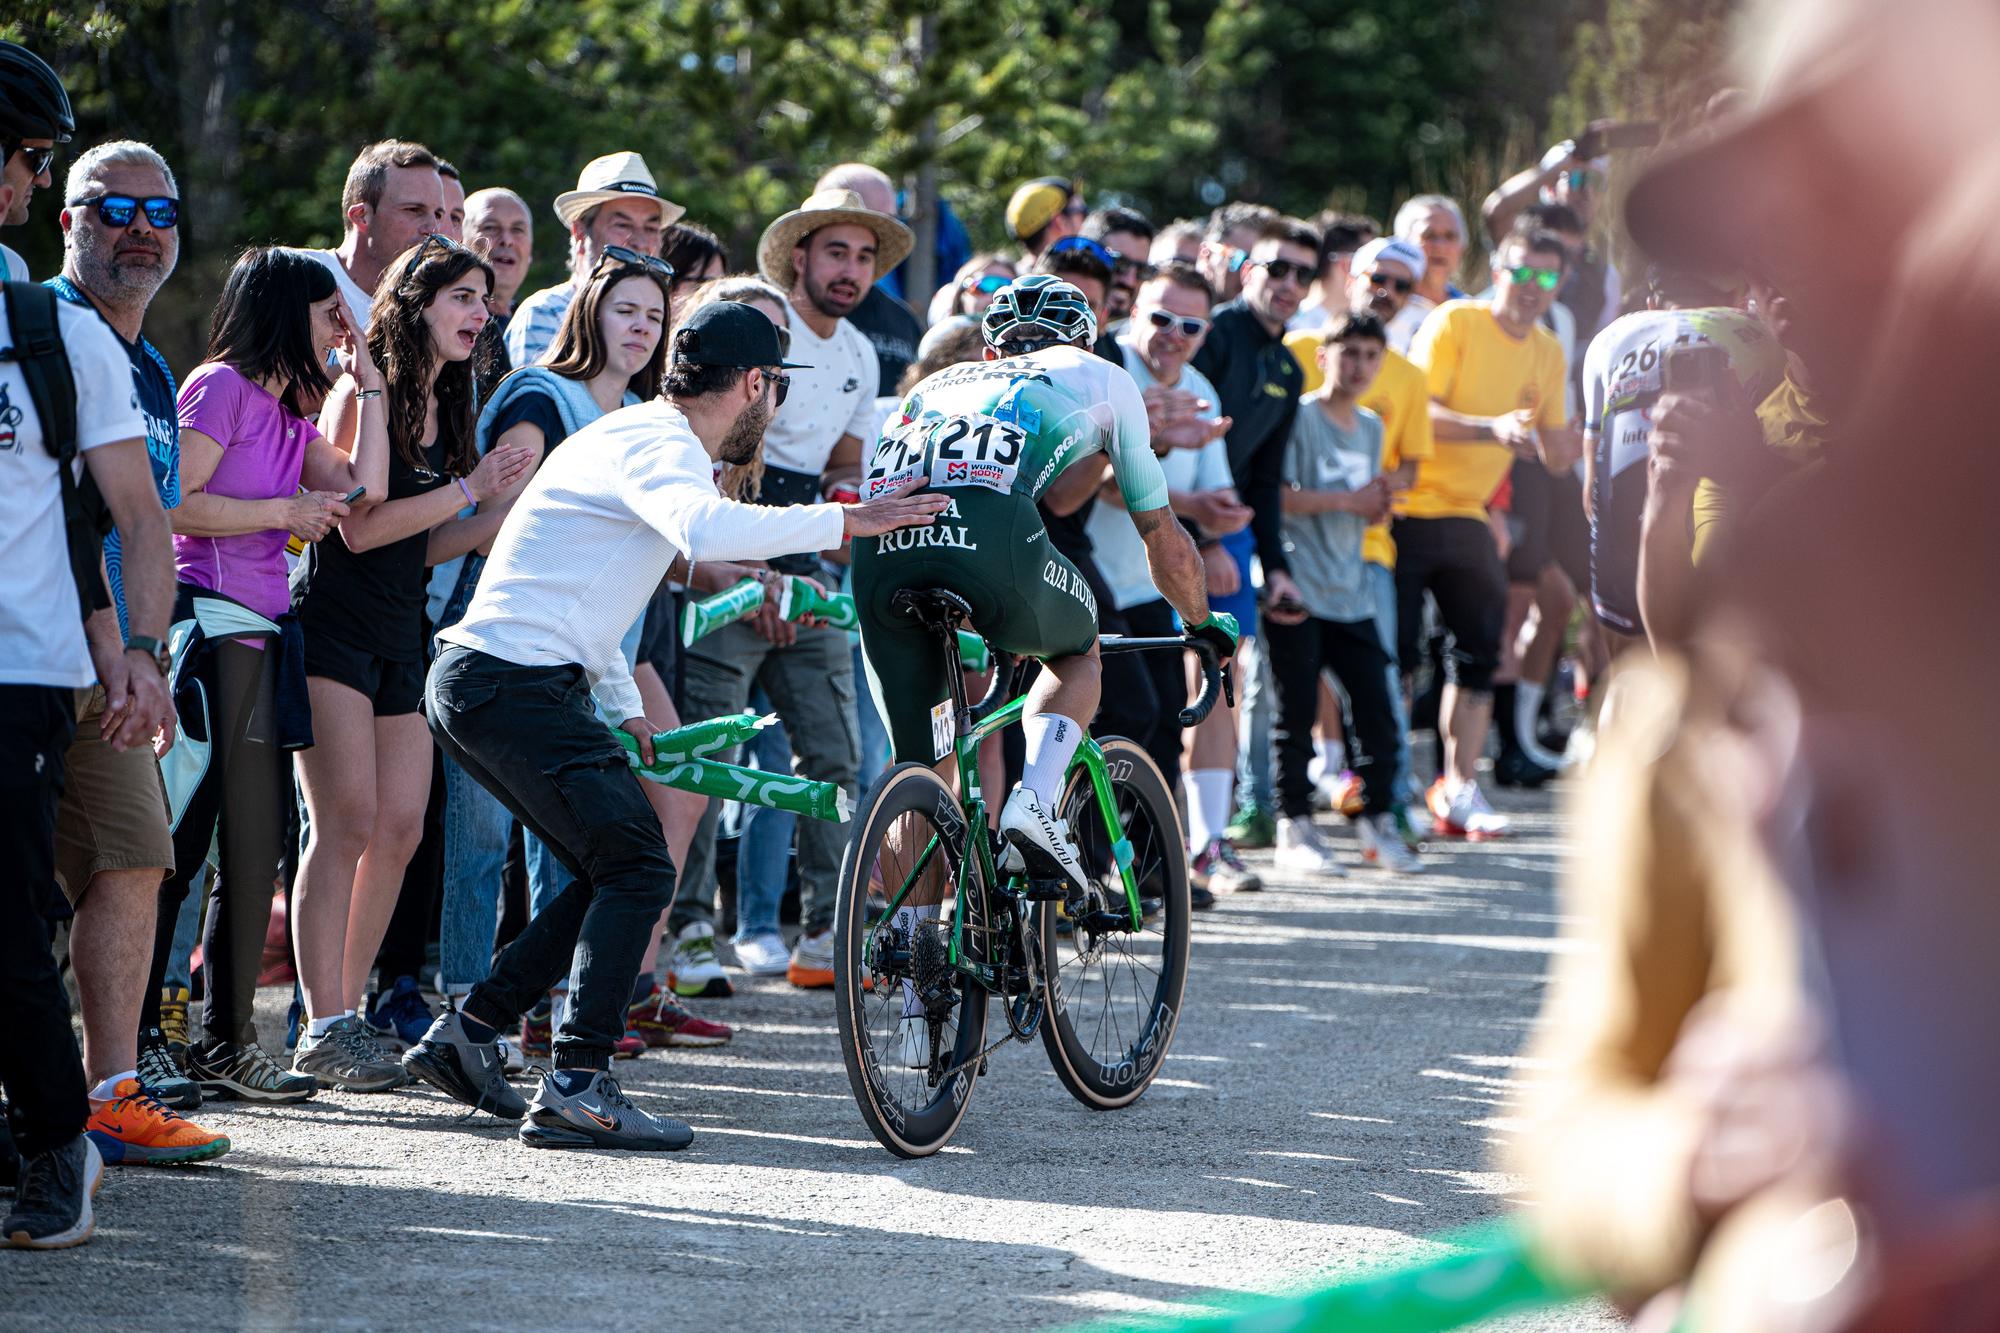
pixel 1199 898
pixel 136 1128
pixel 162 1073
pixel 1411 825
pixel 401 1018
pixel 661 1022
pixel 764 954
pixel 915 1032
pixel 1252 830
pixel 174 1015
pixel 694 972
pixel 1036 842
pixel 1382 845
pixel 225 1069
pixel 811 965
pixel 1303 848
pixel 1466 813
pixel 1515 769
pixel 52 1198
pixel 1221 871
pixel 628 1047
pixel 510 1057
pixel 537 1033
pixel 347 1056
pixel 472 1072
pixel 598 1115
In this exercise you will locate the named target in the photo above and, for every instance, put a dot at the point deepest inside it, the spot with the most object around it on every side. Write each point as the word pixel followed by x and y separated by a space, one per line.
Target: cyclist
pixel 1039 412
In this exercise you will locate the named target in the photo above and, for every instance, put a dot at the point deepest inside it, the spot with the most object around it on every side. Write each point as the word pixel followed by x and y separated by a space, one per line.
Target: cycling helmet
pixel 33 104
pixel 1039 307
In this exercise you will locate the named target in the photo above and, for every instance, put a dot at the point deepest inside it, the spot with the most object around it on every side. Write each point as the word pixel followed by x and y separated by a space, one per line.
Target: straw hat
pixel 829 208
pixel 613 176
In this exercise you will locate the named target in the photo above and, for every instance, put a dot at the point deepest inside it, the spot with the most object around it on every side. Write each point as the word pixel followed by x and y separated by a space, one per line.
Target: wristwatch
pixel 153 648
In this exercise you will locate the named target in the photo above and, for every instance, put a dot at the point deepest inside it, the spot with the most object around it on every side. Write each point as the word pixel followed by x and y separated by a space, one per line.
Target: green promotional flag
pixel 712 613
pixel 731 782
pixel 800 598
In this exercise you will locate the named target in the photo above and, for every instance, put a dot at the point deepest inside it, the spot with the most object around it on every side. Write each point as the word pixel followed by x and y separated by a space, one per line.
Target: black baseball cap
pixel 729 333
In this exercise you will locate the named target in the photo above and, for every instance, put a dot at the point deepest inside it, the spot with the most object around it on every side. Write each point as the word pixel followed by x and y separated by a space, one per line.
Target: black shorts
pixel 994 551
pixel 395 688
pixel 1547 523
pixel 1456 562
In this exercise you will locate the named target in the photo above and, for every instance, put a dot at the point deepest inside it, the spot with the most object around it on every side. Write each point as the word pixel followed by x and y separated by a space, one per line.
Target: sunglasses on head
pixel 621 254
pixel 987 285
pixel 1280 269
pixel 1548 279
pixel 1084 245
pixel 38 159
pixel 118 210
pixel 436 239
pixel 1188 326
pixel 1402 285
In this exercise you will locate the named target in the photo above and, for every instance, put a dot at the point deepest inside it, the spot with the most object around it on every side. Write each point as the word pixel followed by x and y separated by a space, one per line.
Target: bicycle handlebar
pixel 997 689
pixel 1217 680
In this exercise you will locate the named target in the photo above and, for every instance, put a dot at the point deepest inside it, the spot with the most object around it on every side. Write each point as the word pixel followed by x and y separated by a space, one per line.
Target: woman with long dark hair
pixel 697 257
pixel 360 602
pixel 247 447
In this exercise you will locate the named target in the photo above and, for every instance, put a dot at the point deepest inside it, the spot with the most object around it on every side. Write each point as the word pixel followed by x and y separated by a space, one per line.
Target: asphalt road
pixel 1330 1101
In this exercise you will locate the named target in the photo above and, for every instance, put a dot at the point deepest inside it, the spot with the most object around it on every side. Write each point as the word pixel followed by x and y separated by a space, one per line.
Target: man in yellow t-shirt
pixel 1496 390
pixel 1382 275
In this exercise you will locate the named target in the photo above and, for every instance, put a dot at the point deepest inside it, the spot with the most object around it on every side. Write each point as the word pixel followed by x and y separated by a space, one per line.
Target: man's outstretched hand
pixel 897 509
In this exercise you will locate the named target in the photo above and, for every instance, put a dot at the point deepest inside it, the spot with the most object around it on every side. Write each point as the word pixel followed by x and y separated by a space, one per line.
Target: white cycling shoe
pixel 1037 842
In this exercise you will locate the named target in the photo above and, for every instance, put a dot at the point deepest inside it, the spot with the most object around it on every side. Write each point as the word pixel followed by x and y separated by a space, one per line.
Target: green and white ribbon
pixel 677 763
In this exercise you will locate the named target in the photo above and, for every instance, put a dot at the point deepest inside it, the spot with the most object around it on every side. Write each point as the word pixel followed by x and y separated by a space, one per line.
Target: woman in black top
pixel 360 601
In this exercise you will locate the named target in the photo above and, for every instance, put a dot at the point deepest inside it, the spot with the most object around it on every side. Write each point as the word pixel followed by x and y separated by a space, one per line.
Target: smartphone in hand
pixel 354 495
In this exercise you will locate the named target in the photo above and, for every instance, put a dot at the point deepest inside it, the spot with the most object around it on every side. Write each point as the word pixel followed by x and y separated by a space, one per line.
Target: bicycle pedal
pixel 1046 891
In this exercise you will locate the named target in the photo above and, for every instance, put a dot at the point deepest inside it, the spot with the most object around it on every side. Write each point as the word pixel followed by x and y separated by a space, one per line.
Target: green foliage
pixel 738 105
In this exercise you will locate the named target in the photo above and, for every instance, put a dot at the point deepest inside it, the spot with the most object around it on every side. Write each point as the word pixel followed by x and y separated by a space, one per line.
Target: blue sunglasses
pixel 1072 244
pixel 118 210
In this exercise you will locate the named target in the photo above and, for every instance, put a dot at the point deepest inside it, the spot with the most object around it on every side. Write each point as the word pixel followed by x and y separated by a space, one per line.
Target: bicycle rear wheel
pixel 1114 997
pixel 911 1027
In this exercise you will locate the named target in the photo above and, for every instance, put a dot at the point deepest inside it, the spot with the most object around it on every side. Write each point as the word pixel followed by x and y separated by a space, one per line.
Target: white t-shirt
pixel 1403 328
pixel 17 267
pixel 834 396
pixel 41 629
pixel 359 302
pixel 1116 546
pixel 590 539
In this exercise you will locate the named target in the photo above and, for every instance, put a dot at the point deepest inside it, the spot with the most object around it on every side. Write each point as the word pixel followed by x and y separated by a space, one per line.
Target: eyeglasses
pixel 435 238
pixel 1402 285
pixel 1548 279
pixel 1189 325
pixel 619 254
pixel 1070 245
pixel 38 159
pixel 118 210
pixel 987 285
pixel 1280 269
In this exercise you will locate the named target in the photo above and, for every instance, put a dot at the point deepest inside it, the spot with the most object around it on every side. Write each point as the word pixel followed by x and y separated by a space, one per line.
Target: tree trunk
pixel 920 275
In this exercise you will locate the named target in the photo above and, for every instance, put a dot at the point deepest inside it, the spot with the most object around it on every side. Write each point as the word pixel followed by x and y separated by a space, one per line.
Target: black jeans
pixel 1456 562
pixel 228 702
pixel 47 1100
pixel 1353 652
pixel 530 736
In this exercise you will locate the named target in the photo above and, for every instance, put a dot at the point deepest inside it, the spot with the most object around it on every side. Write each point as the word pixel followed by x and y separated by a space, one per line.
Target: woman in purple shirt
pixel 246 448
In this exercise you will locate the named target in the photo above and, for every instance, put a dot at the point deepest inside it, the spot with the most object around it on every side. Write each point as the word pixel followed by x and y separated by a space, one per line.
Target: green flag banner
pixel 1494 1273
pixel 712 613
pixel 796 600
pixel 731 782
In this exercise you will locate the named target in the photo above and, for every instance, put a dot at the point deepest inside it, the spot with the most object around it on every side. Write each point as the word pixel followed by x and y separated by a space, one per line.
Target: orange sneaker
pixel 1348 796
pixel 811 967
pixel 136 1128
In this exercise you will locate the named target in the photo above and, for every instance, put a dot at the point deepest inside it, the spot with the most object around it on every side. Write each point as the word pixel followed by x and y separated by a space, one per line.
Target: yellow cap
pixel 1035 205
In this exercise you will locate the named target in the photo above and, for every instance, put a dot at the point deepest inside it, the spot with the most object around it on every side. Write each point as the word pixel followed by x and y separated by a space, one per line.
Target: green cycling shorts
pixel 993 550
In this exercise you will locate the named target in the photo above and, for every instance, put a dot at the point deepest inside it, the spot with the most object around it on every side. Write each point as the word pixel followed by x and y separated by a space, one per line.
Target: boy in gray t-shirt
pixel 1333 489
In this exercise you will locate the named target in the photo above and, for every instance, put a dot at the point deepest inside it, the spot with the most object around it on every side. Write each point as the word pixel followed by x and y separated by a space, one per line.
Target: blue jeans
pixel 1256 779
pixel 764 851
pixel 475 852
pixel 1382 583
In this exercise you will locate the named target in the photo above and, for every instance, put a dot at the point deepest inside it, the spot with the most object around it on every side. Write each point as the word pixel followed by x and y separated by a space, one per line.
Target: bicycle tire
pixel 868 1003
pixel 1092 1056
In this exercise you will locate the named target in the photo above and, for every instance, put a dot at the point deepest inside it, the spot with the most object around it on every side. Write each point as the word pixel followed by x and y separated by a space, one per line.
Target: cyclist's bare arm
pixel 1174 562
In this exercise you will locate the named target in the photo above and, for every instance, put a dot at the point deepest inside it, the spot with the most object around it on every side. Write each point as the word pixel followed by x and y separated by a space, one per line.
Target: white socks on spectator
pixel 1207 792
pixel 1527 710
pixel 107 1091
pixel 319 1026
pixel 1051 741
pixel 1332 759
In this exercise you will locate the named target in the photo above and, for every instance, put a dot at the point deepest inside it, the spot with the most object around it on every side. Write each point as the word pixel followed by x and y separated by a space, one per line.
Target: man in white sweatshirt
pixel 510 698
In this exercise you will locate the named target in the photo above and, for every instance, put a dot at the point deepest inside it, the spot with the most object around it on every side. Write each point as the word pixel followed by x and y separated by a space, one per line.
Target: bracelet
pixel 363 395
pixel 466 490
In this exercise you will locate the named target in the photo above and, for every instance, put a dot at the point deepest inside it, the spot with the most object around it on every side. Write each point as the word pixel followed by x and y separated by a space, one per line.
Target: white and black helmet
pixel 33 103
pixel 1038 307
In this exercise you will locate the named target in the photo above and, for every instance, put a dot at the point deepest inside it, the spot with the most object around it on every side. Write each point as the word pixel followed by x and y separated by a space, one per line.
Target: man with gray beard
pixel 121 238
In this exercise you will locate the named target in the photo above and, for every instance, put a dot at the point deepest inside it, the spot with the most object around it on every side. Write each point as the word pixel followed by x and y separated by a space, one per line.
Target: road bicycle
pixel 1097 971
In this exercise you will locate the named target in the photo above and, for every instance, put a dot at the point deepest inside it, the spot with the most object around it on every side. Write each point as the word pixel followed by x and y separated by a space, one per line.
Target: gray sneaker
pixel 598 1116
pixel 225 1069
pixel 473 1072
pixel 345 1056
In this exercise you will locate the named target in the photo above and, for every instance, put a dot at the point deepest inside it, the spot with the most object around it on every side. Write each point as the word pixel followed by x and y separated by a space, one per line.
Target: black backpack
pixel 44 361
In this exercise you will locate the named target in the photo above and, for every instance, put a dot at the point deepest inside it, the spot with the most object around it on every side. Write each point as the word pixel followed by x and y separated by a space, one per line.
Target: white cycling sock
pixel 1051 742
pixel 319 1026
pixel 1207 805
pixel 1332 759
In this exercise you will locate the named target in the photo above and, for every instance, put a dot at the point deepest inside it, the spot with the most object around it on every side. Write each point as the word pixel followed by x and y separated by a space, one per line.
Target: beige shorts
pixel 113 814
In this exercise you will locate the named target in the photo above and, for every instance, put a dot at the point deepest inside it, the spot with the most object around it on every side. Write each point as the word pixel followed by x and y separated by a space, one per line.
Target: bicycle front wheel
pixel 1114 995
pixel 910 1025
